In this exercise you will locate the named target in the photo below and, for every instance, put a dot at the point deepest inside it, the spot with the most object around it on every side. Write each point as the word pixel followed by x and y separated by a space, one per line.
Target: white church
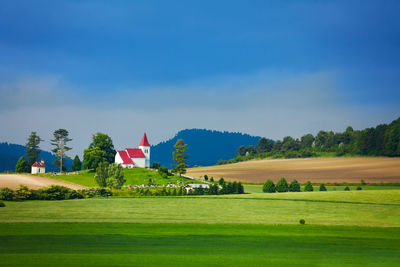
pixel 135 157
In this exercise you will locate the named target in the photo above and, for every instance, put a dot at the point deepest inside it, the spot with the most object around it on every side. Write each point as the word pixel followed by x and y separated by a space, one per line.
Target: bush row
pixel 294 186
pixel 54 192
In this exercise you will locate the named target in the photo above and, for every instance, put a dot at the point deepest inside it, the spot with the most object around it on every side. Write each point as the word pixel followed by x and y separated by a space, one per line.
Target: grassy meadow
pixel 135 176
pixel 342 228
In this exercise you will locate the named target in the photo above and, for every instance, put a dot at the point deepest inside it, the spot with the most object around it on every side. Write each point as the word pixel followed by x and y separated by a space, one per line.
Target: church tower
pixel 145 147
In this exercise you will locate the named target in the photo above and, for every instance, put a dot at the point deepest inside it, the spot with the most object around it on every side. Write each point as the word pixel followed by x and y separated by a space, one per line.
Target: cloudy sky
pixel 268 68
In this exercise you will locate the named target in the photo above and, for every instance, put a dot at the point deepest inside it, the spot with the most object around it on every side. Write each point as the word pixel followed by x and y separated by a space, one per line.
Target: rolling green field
pixel 135 176
pixel 110 244
pixel 342 228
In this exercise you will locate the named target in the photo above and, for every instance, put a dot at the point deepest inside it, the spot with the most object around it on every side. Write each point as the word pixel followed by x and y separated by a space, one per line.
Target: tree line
pixel 382 140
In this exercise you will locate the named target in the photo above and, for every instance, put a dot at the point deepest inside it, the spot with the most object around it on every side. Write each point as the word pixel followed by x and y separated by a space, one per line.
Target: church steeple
pixel 144 141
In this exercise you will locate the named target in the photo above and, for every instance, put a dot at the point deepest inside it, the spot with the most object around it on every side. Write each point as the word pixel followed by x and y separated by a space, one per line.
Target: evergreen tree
pixel 32 148
pixel 76 164
pixel 22 166
pixel 308 187
pixel 264 145
pixel 294 186
pixel 221 181
pixel 282 186
pixel 269 187
pixel 60 142
pixel 180 157
pixel 322 187
pixel 240 188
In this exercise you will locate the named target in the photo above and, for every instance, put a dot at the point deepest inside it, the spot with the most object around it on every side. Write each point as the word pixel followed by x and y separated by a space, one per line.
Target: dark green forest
pixel 382 140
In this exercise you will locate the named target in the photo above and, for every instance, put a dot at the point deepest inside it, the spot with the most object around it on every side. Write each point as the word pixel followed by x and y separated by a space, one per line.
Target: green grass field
pixel 111 244
pixel 342 228
pixel 135 176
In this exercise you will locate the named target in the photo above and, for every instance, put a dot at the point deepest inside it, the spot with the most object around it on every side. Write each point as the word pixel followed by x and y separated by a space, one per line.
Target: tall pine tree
pixel 60 142
pixel 32 148
pixel 180 157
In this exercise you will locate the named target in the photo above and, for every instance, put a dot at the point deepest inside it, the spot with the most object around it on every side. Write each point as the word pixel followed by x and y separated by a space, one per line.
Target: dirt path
pixel 34 182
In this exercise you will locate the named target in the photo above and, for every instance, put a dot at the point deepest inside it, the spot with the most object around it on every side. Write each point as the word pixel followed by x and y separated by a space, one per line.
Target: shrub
pixel 2 204
pixel 347 188
pixel 22 166
pixel 359 188
pixel 302 221
pixel 269 187
pixel 322 187
pixel 282 185
pixel 53 192
pixel 221 181
pixel 206 177
pixel 6 193
pixel 101 174
pixel 22 192
pixel 163 170
pixel 308 187
pixel 294 186
pixel 115 176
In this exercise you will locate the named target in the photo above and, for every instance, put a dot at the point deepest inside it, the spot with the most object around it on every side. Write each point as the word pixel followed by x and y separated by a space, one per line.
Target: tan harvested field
pixel 324 170
pixel 34 182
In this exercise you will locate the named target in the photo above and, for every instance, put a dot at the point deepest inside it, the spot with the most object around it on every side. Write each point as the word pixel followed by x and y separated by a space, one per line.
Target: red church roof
pixel 39 164
pixel 125 158
pixel 144 141
pixel 135 153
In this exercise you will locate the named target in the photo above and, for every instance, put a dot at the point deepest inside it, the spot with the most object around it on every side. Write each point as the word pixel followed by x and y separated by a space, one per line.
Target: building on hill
pixel 38 167
pixel 135 157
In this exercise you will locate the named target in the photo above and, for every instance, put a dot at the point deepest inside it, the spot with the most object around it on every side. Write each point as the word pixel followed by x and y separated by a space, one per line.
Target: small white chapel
pixel 135 157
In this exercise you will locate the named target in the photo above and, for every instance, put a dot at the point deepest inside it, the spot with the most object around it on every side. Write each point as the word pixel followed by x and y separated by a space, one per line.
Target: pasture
pixel 317 170
pixel 258 229
pixel 135 176
pixel 177 244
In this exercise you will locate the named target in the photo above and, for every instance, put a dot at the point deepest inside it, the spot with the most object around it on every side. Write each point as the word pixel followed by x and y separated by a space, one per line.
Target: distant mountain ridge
pixel 205 147
pixel 10 153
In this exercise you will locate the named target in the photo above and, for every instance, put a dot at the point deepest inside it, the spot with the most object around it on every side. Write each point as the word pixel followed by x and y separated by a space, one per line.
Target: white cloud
pixel 266 104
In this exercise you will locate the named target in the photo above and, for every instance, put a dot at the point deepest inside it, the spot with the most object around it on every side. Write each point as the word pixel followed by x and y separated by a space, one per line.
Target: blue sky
pixel 268 68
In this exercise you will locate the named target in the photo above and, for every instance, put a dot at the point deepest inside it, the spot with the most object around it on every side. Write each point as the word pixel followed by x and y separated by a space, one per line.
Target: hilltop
pixel 206 147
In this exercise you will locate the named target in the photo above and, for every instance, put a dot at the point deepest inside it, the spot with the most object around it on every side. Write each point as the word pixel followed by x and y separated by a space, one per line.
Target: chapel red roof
pixel 144 141
pixel 135 153
pixel 125 158
pixel 39 164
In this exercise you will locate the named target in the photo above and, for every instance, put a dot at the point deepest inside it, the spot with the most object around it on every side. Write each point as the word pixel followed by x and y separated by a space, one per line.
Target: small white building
pixel 135 157
pixel 38 167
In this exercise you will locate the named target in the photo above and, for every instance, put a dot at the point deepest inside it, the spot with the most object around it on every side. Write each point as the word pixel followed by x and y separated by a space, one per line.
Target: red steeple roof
pixel 144 142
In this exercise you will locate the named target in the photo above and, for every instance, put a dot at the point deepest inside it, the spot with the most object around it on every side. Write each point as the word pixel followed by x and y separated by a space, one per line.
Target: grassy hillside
pixel 366 208
pixel 135 176
pixel 314 169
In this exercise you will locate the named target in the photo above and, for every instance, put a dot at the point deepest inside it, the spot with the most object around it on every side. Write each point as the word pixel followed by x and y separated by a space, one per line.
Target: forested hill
pixel 205 147
pixel 10 153
pixel 382 140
